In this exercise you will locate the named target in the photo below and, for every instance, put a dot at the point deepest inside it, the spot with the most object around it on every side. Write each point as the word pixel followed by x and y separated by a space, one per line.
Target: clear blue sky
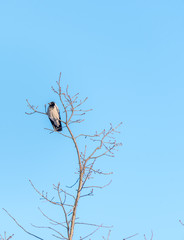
pixel 127 57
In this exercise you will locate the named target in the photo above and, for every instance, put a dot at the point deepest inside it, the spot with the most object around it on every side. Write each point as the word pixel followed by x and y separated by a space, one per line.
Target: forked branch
pixel 5 237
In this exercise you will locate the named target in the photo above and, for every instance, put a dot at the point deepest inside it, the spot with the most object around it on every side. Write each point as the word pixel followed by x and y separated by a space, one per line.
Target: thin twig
pixel 22 227
pixel 130 236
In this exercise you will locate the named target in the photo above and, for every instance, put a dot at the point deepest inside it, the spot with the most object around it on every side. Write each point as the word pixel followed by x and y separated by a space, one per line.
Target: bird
pixel 54 116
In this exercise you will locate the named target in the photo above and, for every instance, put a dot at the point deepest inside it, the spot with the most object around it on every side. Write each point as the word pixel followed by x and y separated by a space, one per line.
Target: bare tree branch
pixel 90 234
pixel 50 228
pixel 5 238
pixel 130 236
pixel 53 221
pixel 151 236
pixel 22 227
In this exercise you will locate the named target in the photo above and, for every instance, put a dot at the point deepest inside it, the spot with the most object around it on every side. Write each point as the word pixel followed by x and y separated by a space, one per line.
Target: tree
pixel 104 144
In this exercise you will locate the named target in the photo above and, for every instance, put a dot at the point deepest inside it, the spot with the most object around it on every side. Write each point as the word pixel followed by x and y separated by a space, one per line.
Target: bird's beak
pixel 49 103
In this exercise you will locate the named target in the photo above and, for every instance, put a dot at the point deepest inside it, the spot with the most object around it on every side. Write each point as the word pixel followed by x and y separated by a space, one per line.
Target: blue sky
pixel 127 57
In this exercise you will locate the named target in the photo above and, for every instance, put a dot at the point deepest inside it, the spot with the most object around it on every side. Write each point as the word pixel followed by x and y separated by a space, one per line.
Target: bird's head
pixel 51 104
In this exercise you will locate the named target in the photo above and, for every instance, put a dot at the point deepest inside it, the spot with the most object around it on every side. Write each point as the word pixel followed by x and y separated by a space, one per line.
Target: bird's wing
pixel 58 111
pixel 53 124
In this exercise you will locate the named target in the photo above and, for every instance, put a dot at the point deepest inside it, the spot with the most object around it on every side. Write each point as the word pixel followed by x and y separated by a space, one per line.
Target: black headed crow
pixel 54 116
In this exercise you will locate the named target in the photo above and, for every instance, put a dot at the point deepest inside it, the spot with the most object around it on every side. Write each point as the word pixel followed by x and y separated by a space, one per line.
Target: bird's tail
pixel 59 128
